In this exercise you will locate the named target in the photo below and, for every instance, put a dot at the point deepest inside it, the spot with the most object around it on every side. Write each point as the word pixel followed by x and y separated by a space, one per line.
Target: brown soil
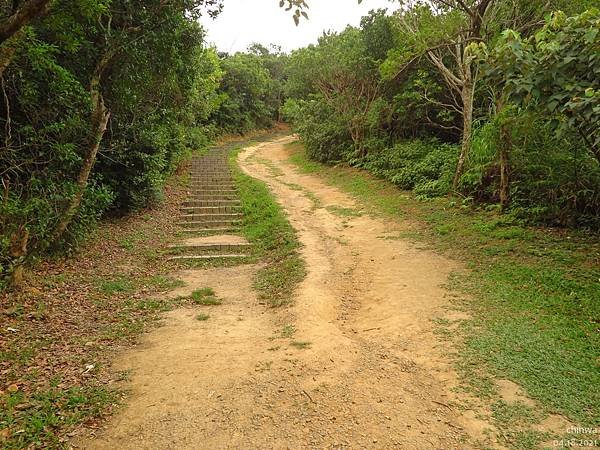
pixel 354 363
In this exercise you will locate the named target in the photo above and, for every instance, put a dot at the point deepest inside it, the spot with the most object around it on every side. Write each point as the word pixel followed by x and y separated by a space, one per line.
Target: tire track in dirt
pixel 354 363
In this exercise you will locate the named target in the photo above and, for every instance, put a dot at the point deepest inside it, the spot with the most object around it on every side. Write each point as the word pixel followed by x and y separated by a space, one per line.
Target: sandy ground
pixel 354 363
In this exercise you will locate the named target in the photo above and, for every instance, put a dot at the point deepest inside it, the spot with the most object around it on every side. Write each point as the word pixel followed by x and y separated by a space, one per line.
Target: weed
pixel 205 297
pixel 116 285
pixel 301 344
pixel 343 212
pixel 164 283
pixel 127 244
pixel 203 292
pixel 288 331
pixel 202 317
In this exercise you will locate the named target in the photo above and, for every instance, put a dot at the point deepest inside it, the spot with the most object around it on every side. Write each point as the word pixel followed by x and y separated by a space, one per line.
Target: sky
pixel 244 22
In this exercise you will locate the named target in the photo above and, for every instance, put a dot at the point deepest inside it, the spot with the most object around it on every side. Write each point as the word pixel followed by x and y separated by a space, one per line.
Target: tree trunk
pixel 467 93
pixel 26 13
pixel 99 118
pixel 505 151
pixel 8 50
pixel 18 251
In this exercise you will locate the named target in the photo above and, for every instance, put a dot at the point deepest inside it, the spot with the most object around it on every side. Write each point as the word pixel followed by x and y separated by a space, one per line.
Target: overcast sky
pixel 243 22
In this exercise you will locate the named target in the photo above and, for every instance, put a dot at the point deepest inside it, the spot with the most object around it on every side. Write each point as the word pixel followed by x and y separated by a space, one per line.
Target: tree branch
pixel 29 11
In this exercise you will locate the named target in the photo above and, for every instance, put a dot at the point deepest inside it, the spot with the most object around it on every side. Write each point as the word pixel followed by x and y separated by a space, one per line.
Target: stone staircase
pixel 211 216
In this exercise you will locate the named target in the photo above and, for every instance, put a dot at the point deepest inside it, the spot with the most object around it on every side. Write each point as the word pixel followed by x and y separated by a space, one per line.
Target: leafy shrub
pixel 554 179
pixel 323 132
pixel 425 166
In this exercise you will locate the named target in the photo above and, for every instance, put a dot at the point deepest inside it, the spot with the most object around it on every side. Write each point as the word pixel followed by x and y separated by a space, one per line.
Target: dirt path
pixel 353 364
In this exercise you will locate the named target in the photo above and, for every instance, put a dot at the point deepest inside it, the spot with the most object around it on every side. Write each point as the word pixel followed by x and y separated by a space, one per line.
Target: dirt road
pixel 354 363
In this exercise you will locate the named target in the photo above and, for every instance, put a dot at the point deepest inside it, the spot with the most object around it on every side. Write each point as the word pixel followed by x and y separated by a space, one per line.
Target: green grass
pixel 534 294
pixel 288 331
pixel 202 317
pixel 205 297
pixel 35 421
pixel 343 212
pixel 165 283
pixel 116 285
pixel 274 240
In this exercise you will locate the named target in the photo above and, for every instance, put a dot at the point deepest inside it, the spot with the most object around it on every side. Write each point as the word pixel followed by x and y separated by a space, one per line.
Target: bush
pixel 425 166
pixel 554 179
pixel 325 136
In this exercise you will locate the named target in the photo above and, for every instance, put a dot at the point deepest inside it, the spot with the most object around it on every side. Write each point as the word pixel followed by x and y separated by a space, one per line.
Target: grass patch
pixel 205 297
pixel 274 240
pixel 119 285
pixel 288 331
pixel 202 317
pixel 534 294
pixel 165 283
pixel 301 345
pixel 343 212
pixel 316 201
pixel 35 421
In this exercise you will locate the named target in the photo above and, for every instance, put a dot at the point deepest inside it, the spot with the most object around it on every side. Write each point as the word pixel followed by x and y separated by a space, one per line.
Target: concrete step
pixel 212 216
pixel 211 203
pixel 228 186
pixel 218 203
pixel 213 182
pixel 218 209
pixel 211 192
pixel 213 188
pixel 210 231
pixel 206 257
pixel 210 224
pixel 212 168
pixel 206 197
pixel 210 176
pixel 209 248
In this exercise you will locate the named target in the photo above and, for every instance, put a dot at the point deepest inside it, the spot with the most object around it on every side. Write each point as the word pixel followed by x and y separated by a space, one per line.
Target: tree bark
pixel 467 94
pixel 26 13
pixel 8 51
pixel 99 119
pixel 18 251
pixel 505 151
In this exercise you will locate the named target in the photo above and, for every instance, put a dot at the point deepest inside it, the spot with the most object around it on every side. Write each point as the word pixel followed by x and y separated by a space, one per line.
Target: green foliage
pixel 426 167
pixel 251 90
pixel 359 96
pixel 556 71
pixel 167 95
pixel 553 179
pixel 324 132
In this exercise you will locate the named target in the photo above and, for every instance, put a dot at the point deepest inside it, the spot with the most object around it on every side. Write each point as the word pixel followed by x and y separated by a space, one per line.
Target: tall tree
pixel 463 23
